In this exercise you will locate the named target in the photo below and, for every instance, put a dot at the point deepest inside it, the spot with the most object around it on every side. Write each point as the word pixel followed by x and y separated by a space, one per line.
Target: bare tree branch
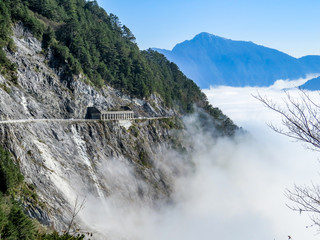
pixel 306 199
pixel 300 118
pixel 78 206
pixel 301 121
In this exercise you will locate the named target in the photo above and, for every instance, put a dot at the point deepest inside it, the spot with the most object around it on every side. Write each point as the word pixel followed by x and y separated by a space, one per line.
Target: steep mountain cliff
pixel 211 60
pixel 47 151
pixel 65 159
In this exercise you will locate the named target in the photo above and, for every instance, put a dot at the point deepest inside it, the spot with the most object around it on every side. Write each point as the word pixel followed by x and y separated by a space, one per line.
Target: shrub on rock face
pixel 56 236
pixel 10 176
pixel 18 226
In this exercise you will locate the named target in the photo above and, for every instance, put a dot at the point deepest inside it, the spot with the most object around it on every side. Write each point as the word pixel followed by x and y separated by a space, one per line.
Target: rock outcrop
pixel 66 161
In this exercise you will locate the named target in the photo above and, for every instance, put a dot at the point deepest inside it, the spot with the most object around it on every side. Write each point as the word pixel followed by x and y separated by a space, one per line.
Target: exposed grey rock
pixel 68 160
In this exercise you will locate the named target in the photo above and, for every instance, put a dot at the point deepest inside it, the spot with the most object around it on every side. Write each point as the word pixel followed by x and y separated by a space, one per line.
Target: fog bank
pixel 233 190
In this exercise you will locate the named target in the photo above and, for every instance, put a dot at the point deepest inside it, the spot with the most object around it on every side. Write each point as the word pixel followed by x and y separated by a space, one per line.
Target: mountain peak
pixel 213 60
pixel 205 35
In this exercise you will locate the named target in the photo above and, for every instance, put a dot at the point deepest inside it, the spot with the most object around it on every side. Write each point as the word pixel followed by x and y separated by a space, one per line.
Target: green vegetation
pixel 144 158
pixel 134 130
pixel 85 39
pixel 14 223
pixel 7 69
pixel 10 176
pixel 5 87
pixel 56 236
pixel 171 123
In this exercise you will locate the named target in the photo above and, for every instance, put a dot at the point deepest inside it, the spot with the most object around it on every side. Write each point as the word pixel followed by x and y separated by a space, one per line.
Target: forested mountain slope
pixel 57 58
pixel 84 39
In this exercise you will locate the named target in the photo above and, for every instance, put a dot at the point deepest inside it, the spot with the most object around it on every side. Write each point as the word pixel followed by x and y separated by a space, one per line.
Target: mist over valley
pixel 102 140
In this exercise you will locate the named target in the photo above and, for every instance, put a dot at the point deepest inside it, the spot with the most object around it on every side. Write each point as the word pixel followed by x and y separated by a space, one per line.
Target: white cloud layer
pixel 234 192
pixel 289 162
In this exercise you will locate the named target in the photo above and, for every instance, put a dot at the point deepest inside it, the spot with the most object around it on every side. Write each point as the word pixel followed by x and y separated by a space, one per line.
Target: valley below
pixel 100 140
pixel 235 188
pixel 271 163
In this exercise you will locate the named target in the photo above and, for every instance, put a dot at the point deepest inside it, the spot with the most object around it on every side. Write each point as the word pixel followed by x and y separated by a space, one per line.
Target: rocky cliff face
pixel 69 160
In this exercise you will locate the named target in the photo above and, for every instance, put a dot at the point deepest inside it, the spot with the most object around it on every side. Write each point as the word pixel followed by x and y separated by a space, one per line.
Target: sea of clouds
pixel 235 189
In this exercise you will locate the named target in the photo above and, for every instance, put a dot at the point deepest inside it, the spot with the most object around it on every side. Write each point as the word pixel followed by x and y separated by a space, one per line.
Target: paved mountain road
pixel 71 120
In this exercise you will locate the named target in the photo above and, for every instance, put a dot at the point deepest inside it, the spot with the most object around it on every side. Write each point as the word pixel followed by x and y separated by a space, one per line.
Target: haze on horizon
pixel 288 26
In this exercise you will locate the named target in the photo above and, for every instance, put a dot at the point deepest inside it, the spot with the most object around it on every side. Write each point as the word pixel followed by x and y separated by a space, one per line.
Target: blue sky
pixel 289 26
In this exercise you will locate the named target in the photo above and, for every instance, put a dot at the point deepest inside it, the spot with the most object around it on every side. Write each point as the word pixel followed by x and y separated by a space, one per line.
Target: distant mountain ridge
pixel 312 84
pixel 211 60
